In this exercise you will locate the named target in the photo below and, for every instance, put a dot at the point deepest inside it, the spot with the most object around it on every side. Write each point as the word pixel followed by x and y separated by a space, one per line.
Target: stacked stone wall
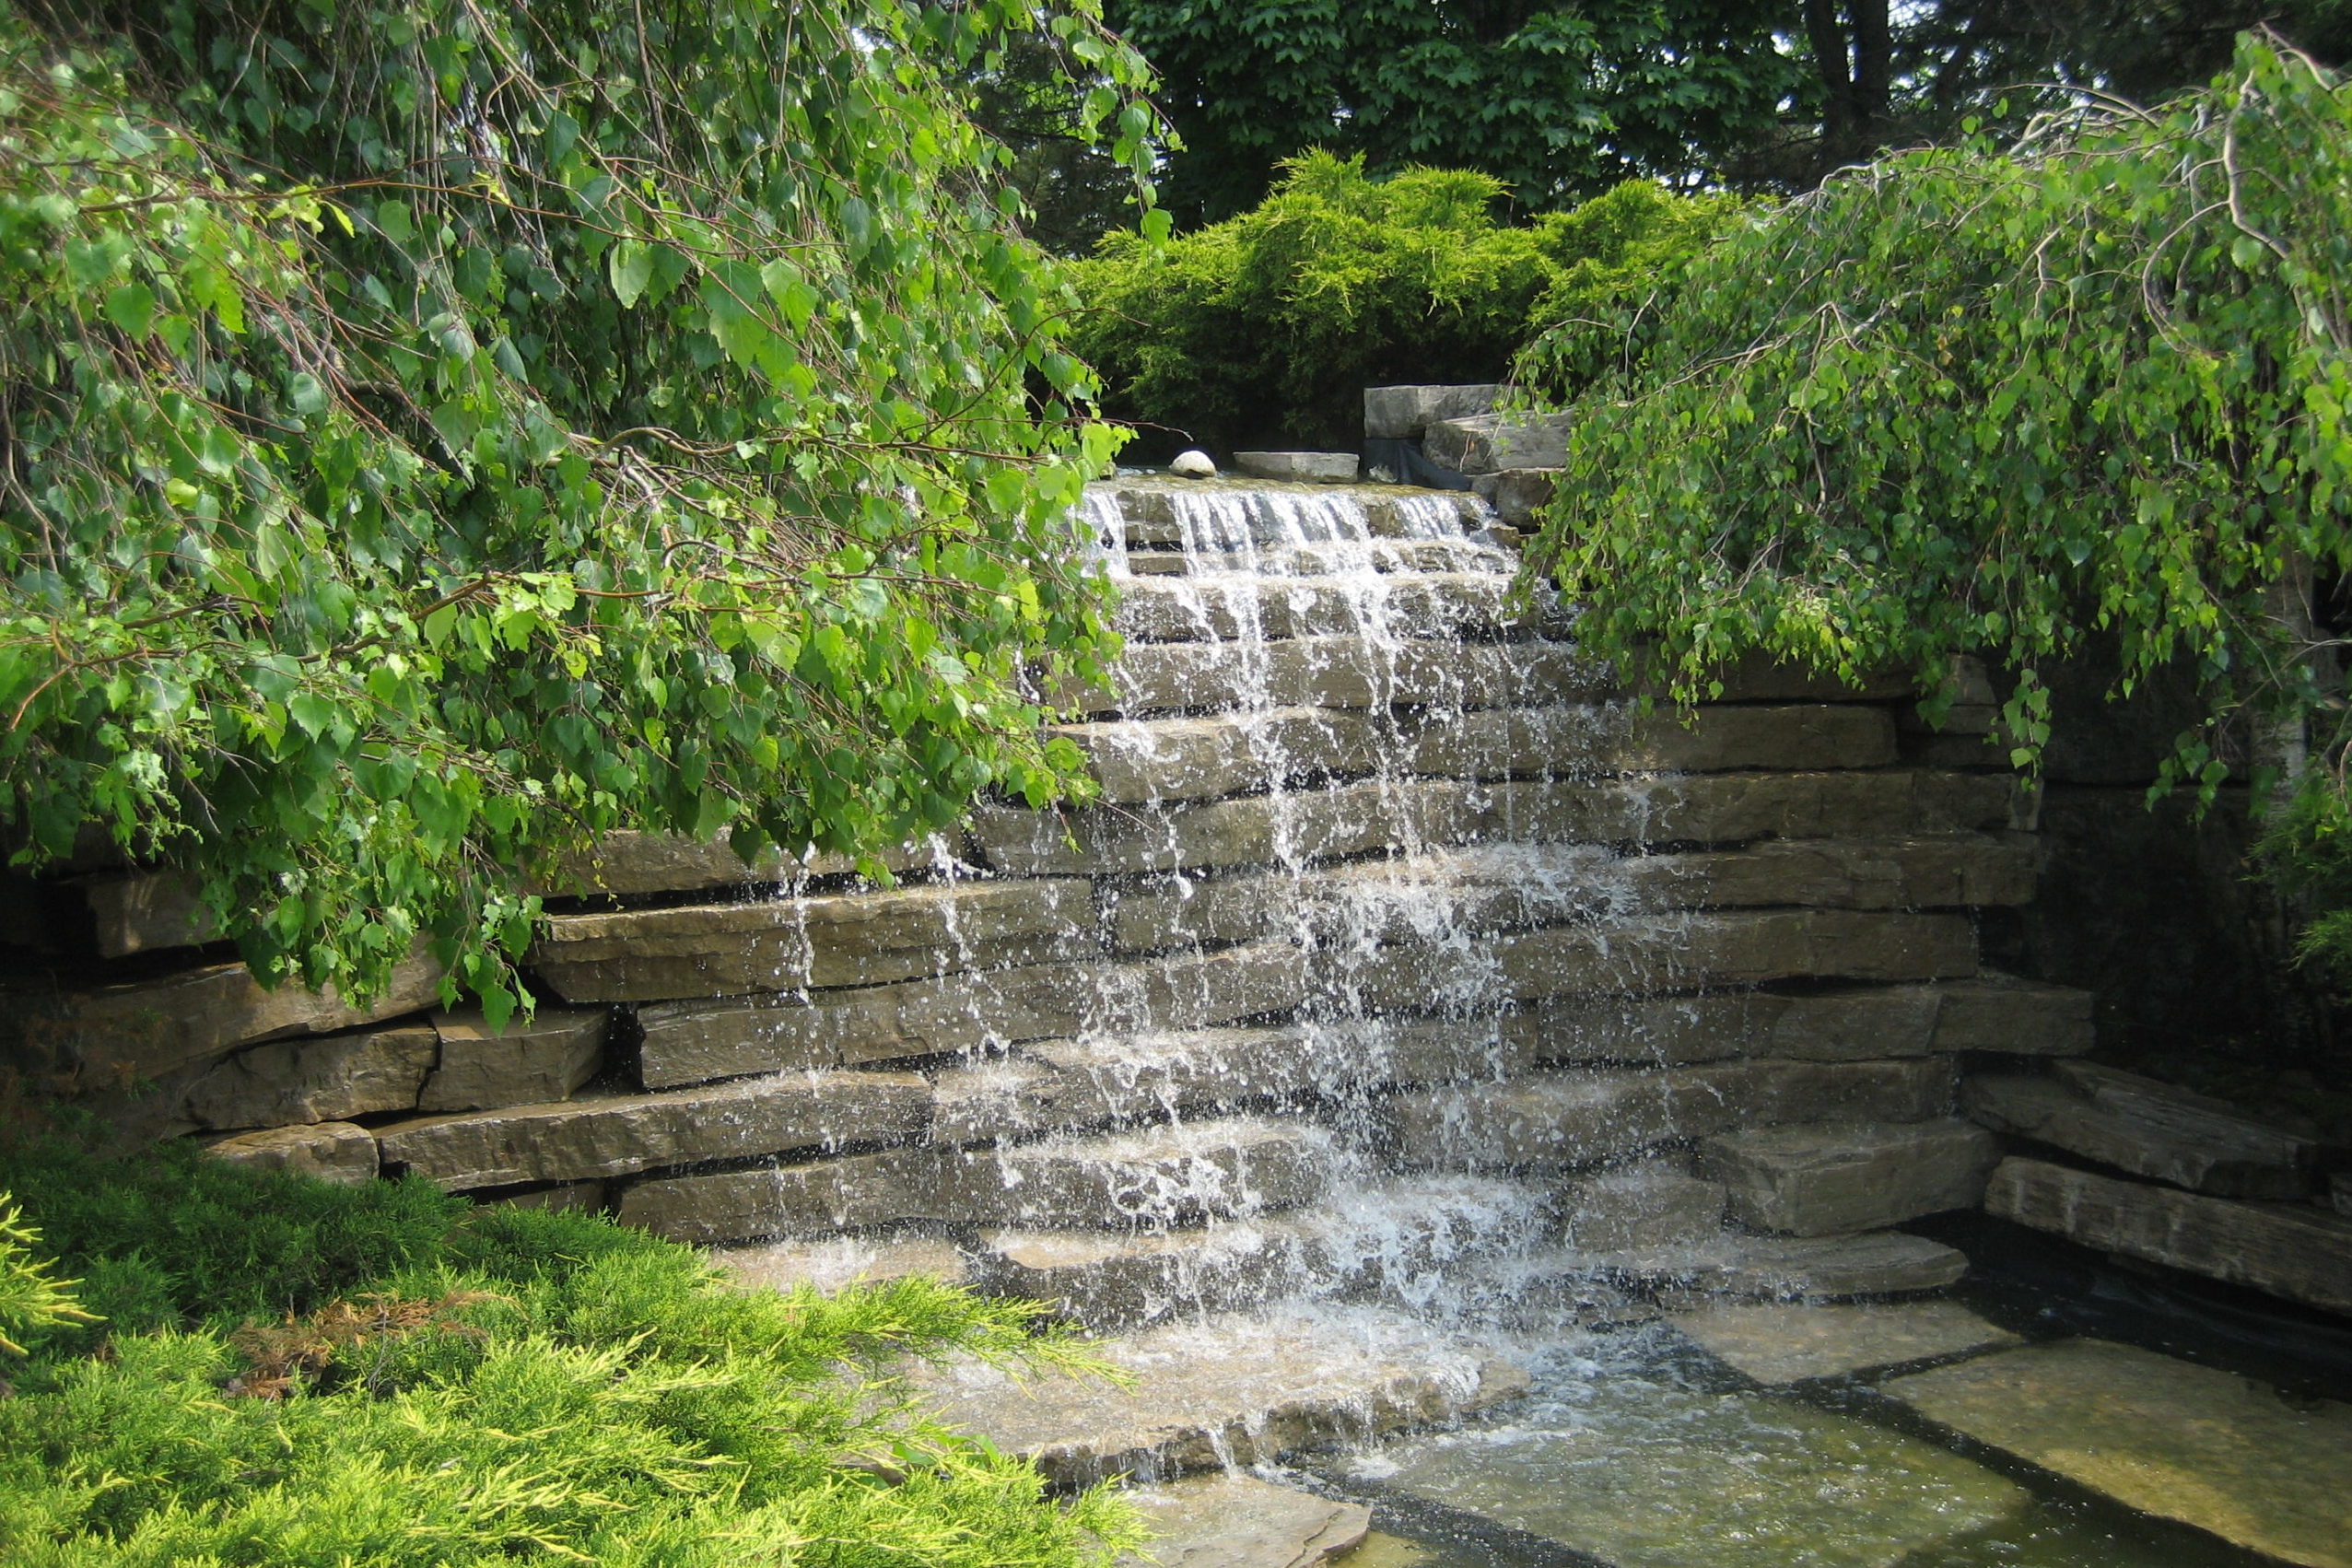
pixel 1101 1048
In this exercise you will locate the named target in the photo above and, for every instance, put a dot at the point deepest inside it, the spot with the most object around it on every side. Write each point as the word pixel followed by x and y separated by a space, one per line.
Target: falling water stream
pixel 1634 1448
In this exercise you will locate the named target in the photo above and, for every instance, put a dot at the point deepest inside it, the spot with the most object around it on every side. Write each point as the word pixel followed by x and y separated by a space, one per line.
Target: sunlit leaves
pixel 436 451
pixel 1995 402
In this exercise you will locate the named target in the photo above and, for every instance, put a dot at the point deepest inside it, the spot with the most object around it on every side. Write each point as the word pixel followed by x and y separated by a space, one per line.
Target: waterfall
pixel 1400 955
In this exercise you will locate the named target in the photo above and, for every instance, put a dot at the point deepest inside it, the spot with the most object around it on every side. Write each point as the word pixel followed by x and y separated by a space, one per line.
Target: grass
pixel 292 1374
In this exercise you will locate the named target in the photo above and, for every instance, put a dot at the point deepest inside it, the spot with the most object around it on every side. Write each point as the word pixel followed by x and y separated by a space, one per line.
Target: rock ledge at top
pixel 1400 414
pixel 1321 468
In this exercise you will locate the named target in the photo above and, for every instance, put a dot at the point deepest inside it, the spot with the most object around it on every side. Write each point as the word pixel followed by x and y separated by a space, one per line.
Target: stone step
pixel 1653 953
pixel 1990 1012
pixel 1386 1237
pixel 2299 1251
pixel 692 1042
pixel 1232 1391
pixel 1384 511
pixel 2147 1127
pixel 1055 1085
pixel 1349 558
pixel 1505 742
pixel 1140 760
pixel 1185 758
pixel 1345 672
pixel 614 1135
pixel 1782 1342
pixel 631 864
pixel 1572 1119
pixel 1233 1520
pixel 843 939
pixel 153 1029
pixel 1153 1177
pixel 1351 819
pixel 1484 889
pixel 1248 608
pixel 837 1263
pixel 1824 1178
pixel 1642 1207
pixel 1873 1263
pixel 452 1062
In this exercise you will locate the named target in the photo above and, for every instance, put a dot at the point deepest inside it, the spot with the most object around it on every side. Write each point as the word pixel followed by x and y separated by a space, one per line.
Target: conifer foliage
pixel 435 432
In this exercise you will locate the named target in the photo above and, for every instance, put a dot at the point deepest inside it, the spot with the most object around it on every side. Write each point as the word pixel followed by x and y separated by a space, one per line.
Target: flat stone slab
pixel 615 1135
pixel 1150 1178
pixel 1237 1521
pixel 2220 1452
pixel 152 1028
pixel 2147 1127
pixel 1239 1390
pixel 1793 1268
pixel 1830 1179
pixel 1650 1474
pixel 1788 1342
pixel 329 1079
pixel 838 1264
pixel 785 944
pixel 531 1061
pixel 1320 468
pixel 2299 1251
pixel 332 1150
pixel 1988 1013
pixel 1362 1240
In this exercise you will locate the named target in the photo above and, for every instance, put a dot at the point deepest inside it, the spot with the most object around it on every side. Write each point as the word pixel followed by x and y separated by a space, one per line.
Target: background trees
pixel 1562 101
pixel 439 431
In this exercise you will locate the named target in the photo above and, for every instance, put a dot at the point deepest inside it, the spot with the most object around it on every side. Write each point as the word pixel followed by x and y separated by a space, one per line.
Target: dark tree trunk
pixel 1854 50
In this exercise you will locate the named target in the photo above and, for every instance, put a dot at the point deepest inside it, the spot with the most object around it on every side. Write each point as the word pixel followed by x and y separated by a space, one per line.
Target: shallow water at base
pixel 1635 1451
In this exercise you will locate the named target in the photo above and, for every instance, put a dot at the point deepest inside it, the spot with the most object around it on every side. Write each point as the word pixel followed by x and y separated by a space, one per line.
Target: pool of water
pixel 1639 1449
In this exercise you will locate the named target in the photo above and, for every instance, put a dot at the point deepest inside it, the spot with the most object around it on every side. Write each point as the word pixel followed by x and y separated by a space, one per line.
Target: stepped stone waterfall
pixel 1403 960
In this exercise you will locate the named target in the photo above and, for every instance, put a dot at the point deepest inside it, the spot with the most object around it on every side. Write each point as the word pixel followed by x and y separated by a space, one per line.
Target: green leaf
pixel 131 306
pixel 630 267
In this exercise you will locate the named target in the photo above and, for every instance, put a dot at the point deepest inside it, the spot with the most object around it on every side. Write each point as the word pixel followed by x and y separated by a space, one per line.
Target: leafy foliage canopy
pixel 1968 401
pixel 439 431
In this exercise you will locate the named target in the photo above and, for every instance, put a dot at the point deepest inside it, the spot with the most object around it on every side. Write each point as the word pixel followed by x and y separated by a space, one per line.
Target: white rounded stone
pixel 1193 464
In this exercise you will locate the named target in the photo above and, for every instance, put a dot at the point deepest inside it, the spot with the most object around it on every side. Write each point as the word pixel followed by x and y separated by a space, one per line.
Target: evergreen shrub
pixel 1269 326
pixel 447 1386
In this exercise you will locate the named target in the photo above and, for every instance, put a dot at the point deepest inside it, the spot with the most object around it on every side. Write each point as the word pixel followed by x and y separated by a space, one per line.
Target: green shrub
pixel 1269 326
pixel 488 1385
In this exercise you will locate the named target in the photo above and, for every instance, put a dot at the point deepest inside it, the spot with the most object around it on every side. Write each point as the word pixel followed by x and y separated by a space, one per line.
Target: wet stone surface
pixel 1231 1520
pixel 1642 1469
pixel 2226 1454
pixel 1226 1391
pixel 1787 1342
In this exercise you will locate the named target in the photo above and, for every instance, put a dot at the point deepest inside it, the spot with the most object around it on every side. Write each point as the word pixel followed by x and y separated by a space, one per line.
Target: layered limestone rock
pixel 1828 1178
pixel 1790 1343
pixel 2298 1251
pixel 332 1078
pixel 2146 1127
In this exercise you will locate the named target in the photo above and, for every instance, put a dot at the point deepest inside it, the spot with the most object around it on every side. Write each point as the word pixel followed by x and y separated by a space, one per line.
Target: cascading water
pixel 1341 638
